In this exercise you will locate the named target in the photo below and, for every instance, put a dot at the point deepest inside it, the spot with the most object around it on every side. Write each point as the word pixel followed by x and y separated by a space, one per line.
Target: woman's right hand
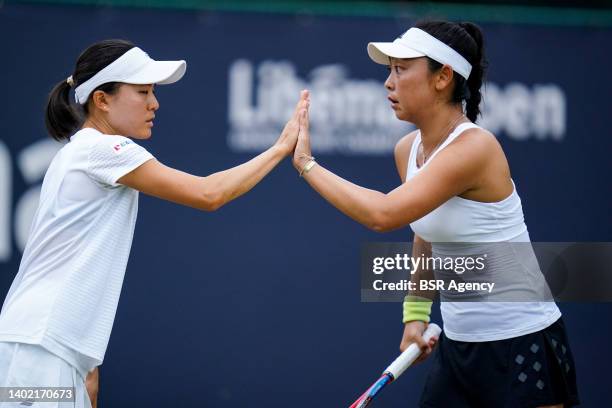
pixel 303 153
pixel 289 136
pixel 413 333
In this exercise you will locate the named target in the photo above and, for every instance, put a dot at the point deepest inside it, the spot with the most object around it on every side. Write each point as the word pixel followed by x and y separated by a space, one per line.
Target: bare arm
pixel 213 191
pixel 457 169
pixel 204 193
pixel 422 249
pixel 92 383
pixel 413 330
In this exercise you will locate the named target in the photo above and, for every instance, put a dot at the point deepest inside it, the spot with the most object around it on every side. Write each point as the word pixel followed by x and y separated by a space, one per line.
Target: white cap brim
pixel 380 52
pixel 158 72
pixel 133 67
pixel 416 43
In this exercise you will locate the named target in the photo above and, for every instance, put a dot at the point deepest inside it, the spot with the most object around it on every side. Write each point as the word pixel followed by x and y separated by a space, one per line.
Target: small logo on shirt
pixel 118 147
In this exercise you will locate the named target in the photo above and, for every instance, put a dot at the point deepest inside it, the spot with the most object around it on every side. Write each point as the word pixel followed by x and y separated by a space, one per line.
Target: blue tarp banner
pixel 258 304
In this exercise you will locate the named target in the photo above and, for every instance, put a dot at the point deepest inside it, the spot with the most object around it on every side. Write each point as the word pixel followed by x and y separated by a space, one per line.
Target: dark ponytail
pixel 467 39
pixel 474 82
pixel 63 117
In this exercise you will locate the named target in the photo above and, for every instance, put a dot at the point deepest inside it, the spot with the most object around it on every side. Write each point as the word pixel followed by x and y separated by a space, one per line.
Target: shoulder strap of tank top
pixel 412 159
pixel 454 134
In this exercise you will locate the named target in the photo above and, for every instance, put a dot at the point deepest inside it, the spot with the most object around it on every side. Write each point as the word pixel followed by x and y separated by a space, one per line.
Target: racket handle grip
pixel 405 359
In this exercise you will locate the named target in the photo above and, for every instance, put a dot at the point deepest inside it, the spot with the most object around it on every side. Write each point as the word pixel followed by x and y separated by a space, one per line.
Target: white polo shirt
pixel 65 294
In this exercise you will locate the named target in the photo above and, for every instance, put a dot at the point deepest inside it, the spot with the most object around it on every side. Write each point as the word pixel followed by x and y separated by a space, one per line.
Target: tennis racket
pixel 396 368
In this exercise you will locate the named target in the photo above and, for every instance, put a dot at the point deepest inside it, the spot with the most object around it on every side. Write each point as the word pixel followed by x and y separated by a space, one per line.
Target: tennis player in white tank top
pixel 456 188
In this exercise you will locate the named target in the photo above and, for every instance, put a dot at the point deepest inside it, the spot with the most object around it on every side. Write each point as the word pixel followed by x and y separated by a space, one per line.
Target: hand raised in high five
pixel 289 136
pixel 213 191
pixel 303 154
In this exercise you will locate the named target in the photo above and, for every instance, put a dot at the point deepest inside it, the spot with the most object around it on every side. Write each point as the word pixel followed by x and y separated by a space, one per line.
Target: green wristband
pixel 416 308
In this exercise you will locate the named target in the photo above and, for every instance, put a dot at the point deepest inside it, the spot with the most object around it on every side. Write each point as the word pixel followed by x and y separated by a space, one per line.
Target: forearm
pixel 229 184
pixel 92 384
pixel 417 305
pixel 422 249
pixel 361 204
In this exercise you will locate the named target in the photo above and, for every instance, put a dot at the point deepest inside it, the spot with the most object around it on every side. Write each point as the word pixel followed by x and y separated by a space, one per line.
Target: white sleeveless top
pixel 461 220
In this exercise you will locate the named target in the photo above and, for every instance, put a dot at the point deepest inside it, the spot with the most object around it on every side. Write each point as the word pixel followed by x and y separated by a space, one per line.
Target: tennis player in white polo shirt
pixel 57 317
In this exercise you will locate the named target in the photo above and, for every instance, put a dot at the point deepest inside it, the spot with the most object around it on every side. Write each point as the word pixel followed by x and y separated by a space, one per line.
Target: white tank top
pixel 461 220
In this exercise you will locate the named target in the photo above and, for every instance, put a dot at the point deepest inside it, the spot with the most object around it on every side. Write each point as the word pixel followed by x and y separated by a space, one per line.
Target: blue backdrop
pixel 258 304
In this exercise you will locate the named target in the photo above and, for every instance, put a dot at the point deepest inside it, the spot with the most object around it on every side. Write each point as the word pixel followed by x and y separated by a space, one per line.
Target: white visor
pixel 133 67
pixel 417 43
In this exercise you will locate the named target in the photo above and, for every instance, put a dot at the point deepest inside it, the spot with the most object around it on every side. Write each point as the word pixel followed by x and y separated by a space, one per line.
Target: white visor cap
pixel 133 67
pixel 417 43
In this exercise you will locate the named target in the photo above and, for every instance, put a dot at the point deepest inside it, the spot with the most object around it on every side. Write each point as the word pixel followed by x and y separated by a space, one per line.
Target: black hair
pixel 62 117
pixel 467 39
